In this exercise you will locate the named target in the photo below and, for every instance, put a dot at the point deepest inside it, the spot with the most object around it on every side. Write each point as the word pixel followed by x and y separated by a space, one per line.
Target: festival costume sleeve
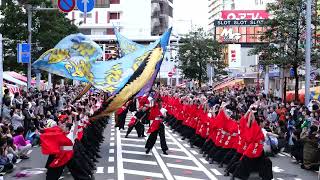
pixel 132 121
pixel 156 113
pixel 255 147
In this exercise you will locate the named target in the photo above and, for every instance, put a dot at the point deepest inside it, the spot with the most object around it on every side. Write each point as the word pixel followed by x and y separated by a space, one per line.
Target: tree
pixel 285 35
pixel 49 27
pixel 197 49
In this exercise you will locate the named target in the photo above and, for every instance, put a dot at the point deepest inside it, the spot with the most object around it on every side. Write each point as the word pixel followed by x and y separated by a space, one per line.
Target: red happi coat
pixel 221 119
pixel 255 138
pixel 57 143
pixel 242 144
pixel 231 127
pixel 143 100
pixel 203 129
pixel 154 115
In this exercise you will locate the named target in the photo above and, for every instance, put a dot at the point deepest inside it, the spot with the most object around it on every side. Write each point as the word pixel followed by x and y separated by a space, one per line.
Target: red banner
pixel 244 14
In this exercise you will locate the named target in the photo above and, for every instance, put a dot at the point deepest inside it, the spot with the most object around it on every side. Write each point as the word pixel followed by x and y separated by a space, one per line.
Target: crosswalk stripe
pixel 139 161
pixel 194 152
pixel 183 167
pixel 99 170
pixel 172 143
pixel 110 169
pixel 170 149
pixel 186 178
pixel 136 152
pixel 282 155
pixel 204 161
pixel 130 139
pixel 111 144
pixel 216 172
pixel 176 157
pixel 111 159
pixel 111 151
pixel 143 173
pixel 112 139
pixel 29 152
pixel 132 145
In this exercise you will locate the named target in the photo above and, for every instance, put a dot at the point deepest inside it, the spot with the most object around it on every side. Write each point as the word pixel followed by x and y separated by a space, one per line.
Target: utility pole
pixel 29 11
pixel 308 53
pixel 1 74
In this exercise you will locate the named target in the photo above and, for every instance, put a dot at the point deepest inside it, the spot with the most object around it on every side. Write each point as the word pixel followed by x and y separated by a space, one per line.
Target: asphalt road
pixel 125 159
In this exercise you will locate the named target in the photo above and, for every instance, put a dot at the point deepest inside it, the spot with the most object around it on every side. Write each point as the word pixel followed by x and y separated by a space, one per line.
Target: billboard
pixel 244 14
pixel 239 34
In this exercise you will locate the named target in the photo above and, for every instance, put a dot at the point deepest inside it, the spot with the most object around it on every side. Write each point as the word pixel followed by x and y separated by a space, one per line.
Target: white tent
pixel 9 78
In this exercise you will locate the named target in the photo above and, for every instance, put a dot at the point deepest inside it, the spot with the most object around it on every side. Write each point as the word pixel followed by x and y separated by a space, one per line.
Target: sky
pixel 189 13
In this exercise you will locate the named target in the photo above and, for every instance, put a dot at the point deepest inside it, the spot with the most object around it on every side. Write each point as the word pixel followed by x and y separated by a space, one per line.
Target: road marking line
pixel 18 160
pixel 110 169
pixel 176 157
pixel 112 134
pixel 134 140
pixel 183 167
pixel 99 170
pixel 172 143
pixel 139 161
pixel 162 165
pixel 112 139
pixel 194 159
pixel 132 145
pixel 111 159
pixel 204 161
pixel 136 152
pixel 112 130
pixel 194 152
pixel 143 173
pixel 111 144
pixel 216 172
pixel 29 152
pixel 111 151
pixel 297 179
pixel 186 145
pixel 120 169
pixel 186 178
pixel 280 179
pixel 175 135
pixel 282 155
pixel 286 154
pixel 170 149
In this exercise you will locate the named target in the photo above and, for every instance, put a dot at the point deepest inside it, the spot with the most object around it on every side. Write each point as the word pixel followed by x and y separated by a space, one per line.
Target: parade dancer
pixel 136 123
pixel 157 113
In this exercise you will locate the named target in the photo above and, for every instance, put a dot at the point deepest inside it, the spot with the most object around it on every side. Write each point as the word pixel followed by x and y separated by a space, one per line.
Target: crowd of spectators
pixel 290 128
pixel 24 115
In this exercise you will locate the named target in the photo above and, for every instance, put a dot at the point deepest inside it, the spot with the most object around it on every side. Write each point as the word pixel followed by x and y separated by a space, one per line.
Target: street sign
pixel 85 5
pixel 23 55
pixel 170 74
pixel 66 5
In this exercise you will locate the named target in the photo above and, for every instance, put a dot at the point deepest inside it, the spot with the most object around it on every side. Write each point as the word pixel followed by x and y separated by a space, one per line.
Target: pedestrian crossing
pixel 139 165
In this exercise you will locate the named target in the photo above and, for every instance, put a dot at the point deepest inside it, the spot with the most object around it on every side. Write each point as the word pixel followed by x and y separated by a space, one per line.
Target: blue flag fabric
pixel 75 57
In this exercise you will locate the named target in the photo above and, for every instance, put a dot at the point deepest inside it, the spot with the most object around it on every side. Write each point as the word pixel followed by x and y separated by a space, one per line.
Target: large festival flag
pixel 127 46
pixel 75 58
pixel 140 77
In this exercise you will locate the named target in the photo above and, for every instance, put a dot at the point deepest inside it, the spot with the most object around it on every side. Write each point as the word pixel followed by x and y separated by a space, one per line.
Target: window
pixel 85 31
pixel 114 1
pixel 114 15
pixel 89 15
pixel 110 31
pixel 170 11
pixel 102 4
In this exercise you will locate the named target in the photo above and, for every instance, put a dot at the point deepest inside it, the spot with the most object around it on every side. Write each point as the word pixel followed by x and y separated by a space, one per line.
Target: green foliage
pixel 48 28
pixel 197 49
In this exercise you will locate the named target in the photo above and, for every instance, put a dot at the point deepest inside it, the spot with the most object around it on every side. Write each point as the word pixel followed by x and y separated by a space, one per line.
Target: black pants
pixel 207 145
pixel 122 120
pixel 75 169
pixel 233 163
pixel 139 128
pixel 153 138
pixel 262 164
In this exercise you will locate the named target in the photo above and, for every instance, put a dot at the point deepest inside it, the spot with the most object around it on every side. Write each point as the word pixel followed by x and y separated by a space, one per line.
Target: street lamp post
pixel 308 52
pixel 29 11
pixel 1 74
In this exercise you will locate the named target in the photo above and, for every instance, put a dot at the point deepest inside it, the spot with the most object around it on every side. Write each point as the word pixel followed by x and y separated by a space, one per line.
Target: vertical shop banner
pixel 234 55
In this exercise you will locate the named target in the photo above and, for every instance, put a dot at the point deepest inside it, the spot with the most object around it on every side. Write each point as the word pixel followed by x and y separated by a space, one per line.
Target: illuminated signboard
pixel 240 26
pixel 244 14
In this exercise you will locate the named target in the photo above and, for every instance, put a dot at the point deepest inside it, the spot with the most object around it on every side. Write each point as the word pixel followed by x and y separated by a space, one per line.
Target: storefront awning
pixel 13 80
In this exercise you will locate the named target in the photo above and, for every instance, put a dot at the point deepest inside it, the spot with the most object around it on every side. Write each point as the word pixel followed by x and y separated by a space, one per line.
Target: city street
pixel 125 158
